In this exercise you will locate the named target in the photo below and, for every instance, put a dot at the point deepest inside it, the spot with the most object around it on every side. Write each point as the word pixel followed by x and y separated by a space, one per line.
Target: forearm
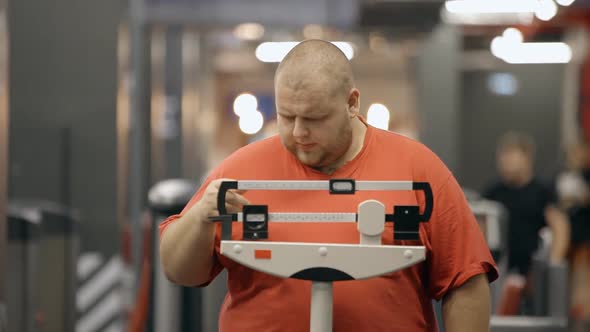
pixel 186 249
pixel 559 224
pixel 467 308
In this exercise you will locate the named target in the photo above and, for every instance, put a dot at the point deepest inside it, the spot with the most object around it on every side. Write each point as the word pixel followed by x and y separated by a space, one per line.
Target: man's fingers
pixel 236 199
pixel 231 208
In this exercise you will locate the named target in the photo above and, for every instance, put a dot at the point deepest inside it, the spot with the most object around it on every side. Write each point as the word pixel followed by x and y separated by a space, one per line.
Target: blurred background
pixel 113 111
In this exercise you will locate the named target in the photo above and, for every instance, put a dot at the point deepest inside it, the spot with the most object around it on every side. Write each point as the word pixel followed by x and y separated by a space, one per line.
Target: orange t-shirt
pixel 401 301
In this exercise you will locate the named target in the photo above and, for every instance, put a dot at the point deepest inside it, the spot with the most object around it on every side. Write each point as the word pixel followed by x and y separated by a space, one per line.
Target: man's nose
pixel 299 129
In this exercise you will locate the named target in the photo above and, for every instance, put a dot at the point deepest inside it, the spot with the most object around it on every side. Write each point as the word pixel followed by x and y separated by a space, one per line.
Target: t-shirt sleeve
pixel 217 267
pixel 457 249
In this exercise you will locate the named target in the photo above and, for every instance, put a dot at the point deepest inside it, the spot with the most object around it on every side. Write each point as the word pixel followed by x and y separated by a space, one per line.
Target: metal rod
pixel 321 307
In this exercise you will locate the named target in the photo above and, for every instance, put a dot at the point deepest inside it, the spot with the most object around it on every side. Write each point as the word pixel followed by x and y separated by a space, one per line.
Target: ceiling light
pixel 245 103
pixel 249 31
pixel 487 18
pixel 520 53
pixel 378 116
pixel 539 53
pixel 503 84
pixel 546 10
pixel 565 2
pixel 490 7
pixel 251 122
pixel 513 35
pixel 276 51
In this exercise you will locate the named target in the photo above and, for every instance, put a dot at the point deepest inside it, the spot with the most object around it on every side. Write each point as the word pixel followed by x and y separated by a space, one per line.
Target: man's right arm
pixel 186 248
pixel 187 244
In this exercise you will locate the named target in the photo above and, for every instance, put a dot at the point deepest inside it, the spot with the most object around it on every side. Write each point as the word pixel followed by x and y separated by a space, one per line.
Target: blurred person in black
pixel 531 205
pixel 573 190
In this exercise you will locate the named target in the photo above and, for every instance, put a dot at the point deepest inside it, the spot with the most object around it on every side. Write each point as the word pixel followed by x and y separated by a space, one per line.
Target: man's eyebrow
pixel 284 112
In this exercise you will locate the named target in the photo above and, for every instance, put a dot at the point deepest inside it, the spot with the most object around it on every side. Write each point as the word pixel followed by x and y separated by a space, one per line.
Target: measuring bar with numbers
pixel 255 218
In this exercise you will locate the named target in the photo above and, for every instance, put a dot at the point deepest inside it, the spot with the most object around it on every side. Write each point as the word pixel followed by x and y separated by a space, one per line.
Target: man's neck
pixel 359 129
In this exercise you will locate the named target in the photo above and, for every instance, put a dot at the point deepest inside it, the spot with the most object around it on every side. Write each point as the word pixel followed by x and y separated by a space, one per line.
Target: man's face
pixel 577 157
pixel 513 163
pixel 313 125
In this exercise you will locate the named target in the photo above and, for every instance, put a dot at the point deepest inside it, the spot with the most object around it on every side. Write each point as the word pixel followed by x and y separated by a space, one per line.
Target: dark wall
pixel 438 94
pixel 62 109
pixel 462 119
pixel 534 109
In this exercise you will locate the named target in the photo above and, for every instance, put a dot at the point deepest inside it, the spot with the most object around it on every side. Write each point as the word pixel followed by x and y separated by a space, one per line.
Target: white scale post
pixel 325 263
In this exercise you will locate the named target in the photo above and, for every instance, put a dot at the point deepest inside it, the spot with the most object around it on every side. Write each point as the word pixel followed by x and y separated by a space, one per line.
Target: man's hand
pixel 467 308
pixel 207 206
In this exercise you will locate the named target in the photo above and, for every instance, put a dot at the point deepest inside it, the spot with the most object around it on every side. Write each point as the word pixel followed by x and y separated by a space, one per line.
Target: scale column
pixel 321 306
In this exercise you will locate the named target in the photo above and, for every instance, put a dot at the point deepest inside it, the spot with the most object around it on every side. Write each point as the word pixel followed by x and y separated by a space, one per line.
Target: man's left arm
pixel 467 308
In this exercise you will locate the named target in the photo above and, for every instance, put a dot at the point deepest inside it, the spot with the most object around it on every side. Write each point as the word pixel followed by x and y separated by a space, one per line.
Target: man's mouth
pixel 305 146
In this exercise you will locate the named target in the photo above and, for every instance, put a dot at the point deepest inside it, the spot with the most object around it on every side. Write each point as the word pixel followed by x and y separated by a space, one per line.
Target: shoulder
pixel 397 145
pixel 401 156
pixel 426 164
pixel 393 139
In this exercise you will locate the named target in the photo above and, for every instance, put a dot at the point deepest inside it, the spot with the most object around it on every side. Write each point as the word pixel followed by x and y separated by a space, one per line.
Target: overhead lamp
pixel 491 7
pixel 378 116
pixel 510 48
pixel 251 122
pixel 487 18
pixel 513 35
pixel 546 10
pixel 276 51
pixel 503 84
pixel 488 12
pixel 249 31
pixel 245 103
pixel 565 3
pixel 539 53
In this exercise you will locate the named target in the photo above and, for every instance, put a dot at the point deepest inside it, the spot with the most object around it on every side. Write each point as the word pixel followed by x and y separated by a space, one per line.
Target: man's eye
pixel 316 119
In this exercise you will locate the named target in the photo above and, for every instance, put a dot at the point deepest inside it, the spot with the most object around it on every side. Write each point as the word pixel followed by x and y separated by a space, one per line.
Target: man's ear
pixel 354 101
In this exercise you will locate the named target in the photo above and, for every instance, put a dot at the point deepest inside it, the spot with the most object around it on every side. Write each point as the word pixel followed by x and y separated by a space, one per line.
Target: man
pixel 322 136
pixel 573 192
pixel 529 203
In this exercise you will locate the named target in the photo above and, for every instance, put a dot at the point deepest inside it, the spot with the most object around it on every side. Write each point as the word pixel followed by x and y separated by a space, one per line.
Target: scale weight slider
pixel 255 222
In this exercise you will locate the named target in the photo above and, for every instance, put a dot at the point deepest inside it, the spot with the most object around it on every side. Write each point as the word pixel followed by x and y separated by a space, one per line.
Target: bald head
pixel 317 65
pixel 317 106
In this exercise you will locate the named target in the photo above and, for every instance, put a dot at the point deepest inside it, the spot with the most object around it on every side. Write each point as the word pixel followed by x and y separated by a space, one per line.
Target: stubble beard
pixel 326 157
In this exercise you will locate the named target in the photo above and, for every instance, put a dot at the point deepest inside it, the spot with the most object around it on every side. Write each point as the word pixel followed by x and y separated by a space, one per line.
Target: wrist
pixel 199 213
